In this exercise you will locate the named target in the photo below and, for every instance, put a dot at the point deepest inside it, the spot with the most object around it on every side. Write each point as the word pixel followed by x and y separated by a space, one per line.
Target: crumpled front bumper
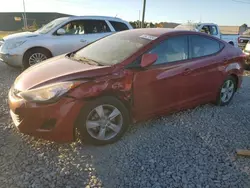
pixel 53 122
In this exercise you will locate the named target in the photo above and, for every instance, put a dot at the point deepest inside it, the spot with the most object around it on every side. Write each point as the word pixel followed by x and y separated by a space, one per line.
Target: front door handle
pixel 187 71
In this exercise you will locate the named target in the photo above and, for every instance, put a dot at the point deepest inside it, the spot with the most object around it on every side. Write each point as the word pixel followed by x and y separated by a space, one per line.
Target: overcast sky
pixel 223 12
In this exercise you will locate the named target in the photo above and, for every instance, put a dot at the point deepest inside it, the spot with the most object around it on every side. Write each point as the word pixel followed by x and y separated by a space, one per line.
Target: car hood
pixel 19 36
pixel 58 69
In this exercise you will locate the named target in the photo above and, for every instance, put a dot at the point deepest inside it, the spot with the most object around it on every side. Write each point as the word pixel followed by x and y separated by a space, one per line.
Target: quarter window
pixel 119 26
pixel 172 49
pixel 203 46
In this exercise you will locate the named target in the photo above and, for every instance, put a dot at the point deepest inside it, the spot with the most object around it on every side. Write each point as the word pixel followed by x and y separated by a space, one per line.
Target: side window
pixel 172 49
pixel 80 27
pixel 206 29
pixel 213 30
pixel 73 27
pixel 95 26
pixel 119 26
pixel 203 46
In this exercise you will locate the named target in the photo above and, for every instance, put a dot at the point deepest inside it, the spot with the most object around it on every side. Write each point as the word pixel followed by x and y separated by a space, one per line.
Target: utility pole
pixel 139 21
pixel 24 15
pixel 143 13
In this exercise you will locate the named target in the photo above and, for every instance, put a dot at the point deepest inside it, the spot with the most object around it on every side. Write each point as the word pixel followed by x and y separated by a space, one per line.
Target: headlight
pixel 14 44
pixel 48 93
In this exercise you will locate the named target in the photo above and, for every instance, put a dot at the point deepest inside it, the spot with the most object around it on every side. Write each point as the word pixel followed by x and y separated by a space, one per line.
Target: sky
pixel 222 12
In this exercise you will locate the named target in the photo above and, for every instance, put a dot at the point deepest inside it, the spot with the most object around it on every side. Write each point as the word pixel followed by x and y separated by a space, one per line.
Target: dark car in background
pixel 244 39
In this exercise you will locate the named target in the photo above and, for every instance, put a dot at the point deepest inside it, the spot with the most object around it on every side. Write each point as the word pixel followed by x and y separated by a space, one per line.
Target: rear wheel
pixel 227 91
pixel 103 121
pixel 35 56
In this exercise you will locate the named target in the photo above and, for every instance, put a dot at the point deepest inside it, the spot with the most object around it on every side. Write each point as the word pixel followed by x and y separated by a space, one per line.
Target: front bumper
pixel 53 122
pixel 13 60
pixel 11 57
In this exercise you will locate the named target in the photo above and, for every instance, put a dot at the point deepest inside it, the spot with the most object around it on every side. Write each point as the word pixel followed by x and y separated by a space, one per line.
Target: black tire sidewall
pixel 81 121
pixel 219 102
pixel 30 53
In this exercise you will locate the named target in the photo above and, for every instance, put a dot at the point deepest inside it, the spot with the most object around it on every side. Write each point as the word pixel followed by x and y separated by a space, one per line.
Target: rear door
pixel 203 76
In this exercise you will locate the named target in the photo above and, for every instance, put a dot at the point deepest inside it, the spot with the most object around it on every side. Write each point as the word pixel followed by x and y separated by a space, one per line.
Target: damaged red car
pixel 121 79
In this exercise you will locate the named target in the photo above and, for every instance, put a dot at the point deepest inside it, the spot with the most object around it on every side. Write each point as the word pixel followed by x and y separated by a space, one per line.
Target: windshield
pixel 51 25
pixel 113 49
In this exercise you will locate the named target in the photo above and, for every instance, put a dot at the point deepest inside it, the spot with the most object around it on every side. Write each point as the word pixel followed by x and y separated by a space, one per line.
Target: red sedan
pixel 121 79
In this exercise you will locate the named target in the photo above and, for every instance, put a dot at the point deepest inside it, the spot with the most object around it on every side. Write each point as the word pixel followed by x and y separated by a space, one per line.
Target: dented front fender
pixel 116 84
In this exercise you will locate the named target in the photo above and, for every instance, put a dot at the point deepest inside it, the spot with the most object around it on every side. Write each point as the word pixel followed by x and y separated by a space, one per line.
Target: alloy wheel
pixel 36 58
pixel 104 122
pixel 227 91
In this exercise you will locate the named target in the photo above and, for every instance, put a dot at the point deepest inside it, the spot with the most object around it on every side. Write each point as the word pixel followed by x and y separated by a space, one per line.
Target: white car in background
pixel 211 29
pixel 60 36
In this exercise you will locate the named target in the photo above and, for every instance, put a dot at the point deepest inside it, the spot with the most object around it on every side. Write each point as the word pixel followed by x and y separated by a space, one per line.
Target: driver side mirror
pixel 61 31
pixel 148 59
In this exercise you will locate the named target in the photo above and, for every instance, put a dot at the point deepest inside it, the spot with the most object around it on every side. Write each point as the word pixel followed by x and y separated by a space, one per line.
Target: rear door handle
pixel 187 71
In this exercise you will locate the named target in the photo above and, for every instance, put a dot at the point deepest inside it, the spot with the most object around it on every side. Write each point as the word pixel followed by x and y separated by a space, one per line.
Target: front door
pixel 159 88
pixel 78 34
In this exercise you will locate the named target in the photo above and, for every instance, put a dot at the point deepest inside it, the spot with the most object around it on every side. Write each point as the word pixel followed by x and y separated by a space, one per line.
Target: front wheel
pixel 35 56
pixel 227 91
pixel 103 121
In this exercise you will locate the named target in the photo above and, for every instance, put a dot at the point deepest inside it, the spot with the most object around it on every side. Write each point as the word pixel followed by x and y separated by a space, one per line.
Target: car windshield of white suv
pixel 112 49
pixel 51 25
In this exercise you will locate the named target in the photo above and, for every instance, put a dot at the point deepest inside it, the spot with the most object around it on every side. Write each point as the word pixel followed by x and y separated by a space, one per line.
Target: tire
pixel 228 88
pixel 89 114
pixel 41 54
pixel 231 43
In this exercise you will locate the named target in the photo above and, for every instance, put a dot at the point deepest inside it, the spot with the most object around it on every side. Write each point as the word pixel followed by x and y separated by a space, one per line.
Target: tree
pixel 34 25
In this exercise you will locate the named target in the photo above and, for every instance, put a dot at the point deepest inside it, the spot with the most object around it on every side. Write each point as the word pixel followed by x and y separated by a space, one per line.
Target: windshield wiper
pixel 84 60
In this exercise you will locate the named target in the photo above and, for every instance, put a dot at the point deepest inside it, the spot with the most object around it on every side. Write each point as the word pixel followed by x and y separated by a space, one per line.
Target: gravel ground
pixel 194 148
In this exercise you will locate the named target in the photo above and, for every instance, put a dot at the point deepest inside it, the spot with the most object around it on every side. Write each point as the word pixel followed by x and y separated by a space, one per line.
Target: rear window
pixel 119 26
pixel 203 46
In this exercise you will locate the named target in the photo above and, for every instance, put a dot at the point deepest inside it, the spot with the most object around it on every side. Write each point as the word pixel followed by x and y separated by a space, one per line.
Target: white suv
pixel 60 36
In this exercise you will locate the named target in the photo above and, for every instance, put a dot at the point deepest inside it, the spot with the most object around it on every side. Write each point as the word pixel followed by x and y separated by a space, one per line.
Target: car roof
pixel 158 32
pixel 95 17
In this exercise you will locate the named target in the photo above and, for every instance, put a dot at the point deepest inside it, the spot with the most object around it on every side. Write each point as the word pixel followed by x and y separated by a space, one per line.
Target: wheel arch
pixel 118 96
pixel 34 48
pixel 236 79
